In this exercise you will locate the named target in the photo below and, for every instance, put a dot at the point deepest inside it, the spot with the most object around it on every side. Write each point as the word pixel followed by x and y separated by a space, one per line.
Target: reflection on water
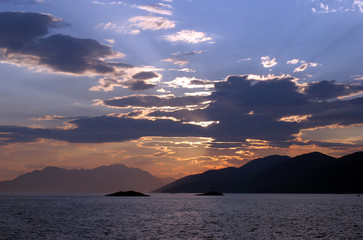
pixel 181 216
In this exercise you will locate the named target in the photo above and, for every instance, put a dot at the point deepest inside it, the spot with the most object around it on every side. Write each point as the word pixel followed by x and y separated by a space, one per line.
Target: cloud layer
pixel 242 110
pixel 145 101
pixel 25 42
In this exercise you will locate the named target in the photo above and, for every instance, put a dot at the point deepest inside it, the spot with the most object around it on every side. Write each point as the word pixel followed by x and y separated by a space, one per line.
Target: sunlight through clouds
pixel 189 36
pixel 177 87
pixel 186 82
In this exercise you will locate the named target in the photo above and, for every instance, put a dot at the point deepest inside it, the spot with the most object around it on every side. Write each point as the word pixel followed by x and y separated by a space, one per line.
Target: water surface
pixel 181 216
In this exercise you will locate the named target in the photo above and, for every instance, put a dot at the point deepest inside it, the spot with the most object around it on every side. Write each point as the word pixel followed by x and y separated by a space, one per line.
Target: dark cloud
pixel 192 53
pixel 18 29
pixel 121 65
pixel 144 75
pixel 254 110
pixel 261 96
pixel 125 80
pixel 13 134
pixel 324 90
pixel 73 55
pixel 244 109
pixel 343 112
pixel 154 101
pixel 200 82
pixel 141 85
pixel 24 42
pixel 103 129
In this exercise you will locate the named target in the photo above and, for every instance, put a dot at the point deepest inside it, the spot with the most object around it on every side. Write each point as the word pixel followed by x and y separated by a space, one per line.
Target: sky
pixel 177 87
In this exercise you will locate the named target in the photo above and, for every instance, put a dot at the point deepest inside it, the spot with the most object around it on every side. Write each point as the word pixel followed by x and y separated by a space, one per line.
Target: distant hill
pixel 105 179
pixel 309 173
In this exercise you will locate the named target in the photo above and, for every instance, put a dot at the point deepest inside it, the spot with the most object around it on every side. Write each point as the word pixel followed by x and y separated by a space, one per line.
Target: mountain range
pixel 308 173
pixel 105 179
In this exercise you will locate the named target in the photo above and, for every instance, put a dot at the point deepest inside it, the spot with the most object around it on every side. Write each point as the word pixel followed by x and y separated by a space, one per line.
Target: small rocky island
pixel 211 193
pixel 127 194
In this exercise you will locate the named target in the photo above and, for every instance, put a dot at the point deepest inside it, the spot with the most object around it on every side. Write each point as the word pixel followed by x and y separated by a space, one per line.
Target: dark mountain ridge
pixel 308 173
pixel 103 179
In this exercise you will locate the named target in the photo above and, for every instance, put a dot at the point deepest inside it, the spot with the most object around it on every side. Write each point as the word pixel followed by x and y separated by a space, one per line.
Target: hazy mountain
pixel 105 179
pixel 308 173
pixel 167 180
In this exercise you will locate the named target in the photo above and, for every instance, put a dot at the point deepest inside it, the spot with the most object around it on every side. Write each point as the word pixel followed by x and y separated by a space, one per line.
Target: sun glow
pixel 202 123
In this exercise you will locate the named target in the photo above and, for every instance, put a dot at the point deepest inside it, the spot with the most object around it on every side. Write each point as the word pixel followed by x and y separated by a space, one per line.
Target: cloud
pixel 188 36
pixel 135 78
pixel 134 32
pixel 134 25
pixel 176 61
pixel 323 8
pixel 293 61
pixel 186 82
pixel 151 23
pixel 325 90
pixel 273 110
pixel 192 53
pixel 102 129
pixel 268 77
pixel 337 6
pixel 256 114
pixel 301 68
pixel 111 3
pixel 358 77
pixel 159 8
pixel 110 26
pixel 140 85
pixel 25 42
pixel 267 62
pixel 346 136
pixel 179 57
pixel 245 60
pixel 144 101
pixel 305 66
pixel 182 70
pixel 358 4
pixel 295 118
pixel 144 75
pixel 49 118
pixel 25 27
pixel 110 40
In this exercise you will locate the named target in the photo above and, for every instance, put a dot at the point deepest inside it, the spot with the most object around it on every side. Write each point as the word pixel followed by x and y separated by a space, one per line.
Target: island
pixel 127 194
pixel 211 193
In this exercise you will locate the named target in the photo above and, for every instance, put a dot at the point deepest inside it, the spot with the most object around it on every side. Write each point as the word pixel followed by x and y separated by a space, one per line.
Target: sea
pixel 181 216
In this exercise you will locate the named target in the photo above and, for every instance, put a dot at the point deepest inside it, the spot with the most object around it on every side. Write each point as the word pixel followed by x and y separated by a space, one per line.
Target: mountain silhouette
pixel 103 179
pixel 308 173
